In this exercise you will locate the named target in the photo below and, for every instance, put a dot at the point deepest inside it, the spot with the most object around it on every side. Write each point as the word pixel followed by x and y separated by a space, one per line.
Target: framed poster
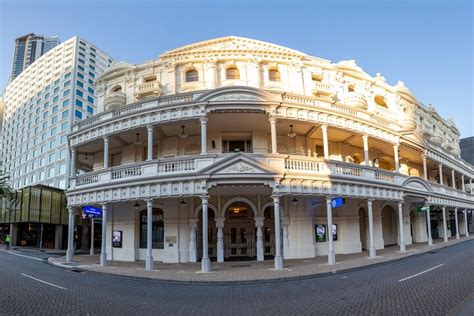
pixel 320 230
pixel 117 239
pixel 334 231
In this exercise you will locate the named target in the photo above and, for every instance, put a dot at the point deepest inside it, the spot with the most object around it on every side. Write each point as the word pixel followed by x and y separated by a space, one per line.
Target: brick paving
pixel 247 270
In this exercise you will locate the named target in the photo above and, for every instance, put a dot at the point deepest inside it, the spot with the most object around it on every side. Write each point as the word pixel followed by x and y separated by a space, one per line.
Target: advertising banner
pixel 117 239
pixel 320 230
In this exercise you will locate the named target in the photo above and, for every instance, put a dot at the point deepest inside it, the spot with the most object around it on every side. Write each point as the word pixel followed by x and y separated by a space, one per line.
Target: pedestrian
pixel 8 240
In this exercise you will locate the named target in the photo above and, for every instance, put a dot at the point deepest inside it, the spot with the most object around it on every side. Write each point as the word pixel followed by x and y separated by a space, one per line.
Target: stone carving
pixel 236 96
pixel 240 168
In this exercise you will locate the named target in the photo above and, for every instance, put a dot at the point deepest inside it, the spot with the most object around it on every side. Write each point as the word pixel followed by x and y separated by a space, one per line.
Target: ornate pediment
pixel 236 96
pixel 239 164
pixel 417 185
pixel 240 167
pixel 236 93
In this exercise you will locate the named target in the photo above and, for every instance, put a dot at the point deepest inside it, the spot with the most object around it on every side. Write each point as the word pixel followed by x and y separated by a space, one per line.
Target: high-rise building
pixel 40 106
pixel 467 149
pixel 29 48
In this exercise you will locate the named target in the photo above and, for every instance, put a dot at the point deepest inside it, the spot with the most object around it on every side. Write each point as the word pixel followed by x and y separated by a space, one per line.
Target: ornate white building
pixel 208 150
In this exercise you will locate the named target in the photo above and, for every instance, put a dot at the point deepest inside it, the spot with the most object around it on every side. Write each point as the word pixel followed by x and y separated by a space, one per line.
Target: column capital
pixel 259 221
pixel 203 118
pixel 149 128
pixel 104 205
pixel 272 118
pixel 396 145
pixel 324 127
pixel 423 156
pixel 192 222
pixel 204 198
pixel 328 200
pixel 285 221
pixel 73 149
pixel 365 137
pixel 149 202
pixel 105 138
pixel 276 197
pixel 369 201
pixel 219 222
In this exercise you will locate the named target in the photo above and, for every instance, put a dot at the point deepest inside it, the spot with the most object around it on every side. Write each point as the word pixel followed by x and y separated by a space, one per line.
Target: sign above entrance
pixel 420 209
pixel 92 211
pixel 337 202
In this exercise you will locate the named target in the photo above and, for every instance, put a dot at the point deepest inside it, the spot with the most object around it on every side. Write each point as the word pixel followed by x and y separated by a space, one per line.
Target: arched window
pixel 380 100
pixel 274 75
pixel 116 88
pixel 192 75
pixel 232 73
pixel 158 231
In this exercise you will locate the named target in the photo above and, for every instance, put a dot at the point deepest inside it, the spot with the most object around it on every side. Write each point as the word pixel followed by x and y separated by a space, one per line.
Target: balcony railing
pixel 115 100
pixel 147 89
pixel 322 88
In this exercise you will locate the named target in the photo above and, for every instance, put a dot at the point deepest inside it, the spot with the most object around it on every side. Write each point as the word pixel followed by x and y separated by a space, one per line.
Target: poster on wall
pixel 320 232
pixel 334 231
pixel 117 239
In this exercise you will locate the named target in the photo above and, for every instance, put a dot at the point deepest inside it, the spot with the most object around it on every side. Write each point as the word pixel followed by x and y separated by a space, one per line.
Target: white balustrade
pixel 383 176
pixel 87 179
pixel 176 166
pixel 126 172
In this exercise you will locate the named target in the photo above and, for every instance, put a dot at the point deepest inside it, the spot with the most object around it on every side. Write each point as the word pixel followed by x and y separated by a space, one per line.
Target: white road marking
pixel 29 276
pixel 17 254
pixel 414 275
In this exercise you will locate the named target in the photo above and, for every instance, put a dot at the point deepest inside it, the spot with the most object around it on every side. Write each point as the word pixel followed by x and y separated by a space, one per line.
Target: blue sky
pixel 428 44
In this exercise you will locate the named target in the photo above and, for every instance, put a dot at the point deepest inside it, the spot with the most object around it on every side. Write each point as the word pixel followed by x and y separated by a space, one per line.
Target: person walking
pixel 8 240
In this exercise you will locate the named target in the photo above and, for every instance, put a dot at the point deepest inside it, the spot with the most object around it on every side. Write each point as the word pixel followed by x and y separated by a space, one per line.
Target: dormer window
pixel 232 73
pixel 192 75
pixel 274 75
pixel 380 100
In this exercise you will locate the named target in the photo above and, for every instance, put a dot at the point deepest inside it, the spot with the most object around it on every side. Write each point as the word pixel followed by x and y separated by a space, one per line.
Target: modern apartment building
pixel 40 106
pixel 467 149
pixel 29 48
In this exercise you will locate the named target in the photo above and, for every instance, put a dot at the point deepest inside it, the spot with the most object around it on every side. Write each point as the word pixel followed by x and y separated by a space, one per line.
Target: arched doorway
pixel 212 234
pixel 389 226
pixel 363 231
pixel 239 232
pixel 269 233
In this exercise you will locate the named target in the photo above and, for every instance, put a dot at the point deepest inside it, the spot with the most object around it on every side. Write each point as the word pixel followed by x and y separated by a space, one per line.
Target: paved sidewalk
pixel 247 270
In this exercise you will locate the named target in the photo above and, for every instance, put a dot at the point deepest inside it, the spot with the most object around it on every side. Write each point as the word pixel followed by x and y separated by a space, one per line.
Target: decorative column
pixel 205 262
pixel 259 225
pixel 324 129
pixel 445 225
pixel 425 168
pixel 331 254
pixel 400 223
pixel 453 179
pixel 462 183
pixel 456 222
pixel 440 168
pixel 73 161
pixel 465 223
pixel 150 143
pixel 470 186
pixel 103 250
pixel 372 252
pixel 428 224
pixel 192 240
pixel 396 159
pixel 70 236
pixel 365 139
pixel 203 121
pixel 273 133
pixel 220 238
pixel 106 152
pixel 92 236
pixel 276 207
pixel 285 222
pixel 149 235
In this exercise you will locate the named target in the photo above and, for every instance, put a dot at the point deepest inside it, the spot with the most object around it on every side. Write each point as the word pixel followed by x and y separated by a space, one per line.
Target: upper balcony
pixel 148 89
pixel 115 100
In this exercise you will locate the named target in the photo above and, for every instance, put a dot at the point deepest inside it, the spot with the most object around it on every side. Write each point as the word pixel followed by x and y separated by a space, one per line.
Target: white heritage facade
pixel 209 150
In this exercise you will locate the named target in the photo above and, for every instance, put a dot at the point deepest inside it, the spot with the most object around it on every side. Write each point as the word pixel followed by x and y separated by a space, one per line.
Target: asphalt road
pixel 392 288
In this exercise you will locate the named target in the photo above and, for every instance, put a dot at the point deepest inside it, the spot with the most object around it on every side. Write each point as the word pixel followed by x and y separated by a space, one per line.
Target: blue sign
pixel 337 202
pixel 92 211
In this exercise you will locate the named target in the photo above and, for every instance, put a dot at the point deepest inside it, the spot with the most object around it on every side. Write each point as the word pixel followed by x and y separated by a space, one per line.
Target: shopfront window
pixel 158 230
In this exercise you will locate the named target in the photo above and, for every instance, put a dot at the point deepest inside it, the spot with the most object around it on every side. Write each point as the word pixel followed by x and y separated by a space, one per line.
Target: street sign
pixel 337 202
pixel 92 211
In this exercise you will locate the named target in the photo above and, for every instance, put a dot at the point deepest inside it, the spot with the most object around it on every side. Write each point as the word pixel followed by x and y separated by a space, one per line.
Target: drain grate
pixel 431 252
pixel 241 266
pixel 77 270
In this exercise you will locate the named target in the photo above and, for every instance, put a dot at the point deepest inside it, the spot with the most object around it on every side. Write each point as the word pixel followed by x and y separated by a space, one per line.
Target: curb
pixel 258 281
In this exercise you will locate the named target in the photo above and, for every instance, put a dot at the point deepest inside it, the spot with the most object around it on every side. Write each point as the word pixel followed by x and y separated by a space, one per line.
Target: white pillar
pixel 70 235
pixel 276 207
pixel 465 223
pixel 259 226
pixel 331 253
pixel 462 183
pixel 203 121
pixel 425 168
pixel 365 139
pixel 285 222
pixel 220 238
pixel 273 133
pixel 205 262
pixel 92 236
pixel 149 235
pixel 470 186
pixel 103 250
pixel 440 168
pixel 192 240
pixel 73 161
pixel 396 159
pixel 428 225
pixel 453 179
pixel 456 222
pixel 445 225
pixel 400 223
pixel 372 252
pixel 150 143
pixel 106 152
pixel 324 129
